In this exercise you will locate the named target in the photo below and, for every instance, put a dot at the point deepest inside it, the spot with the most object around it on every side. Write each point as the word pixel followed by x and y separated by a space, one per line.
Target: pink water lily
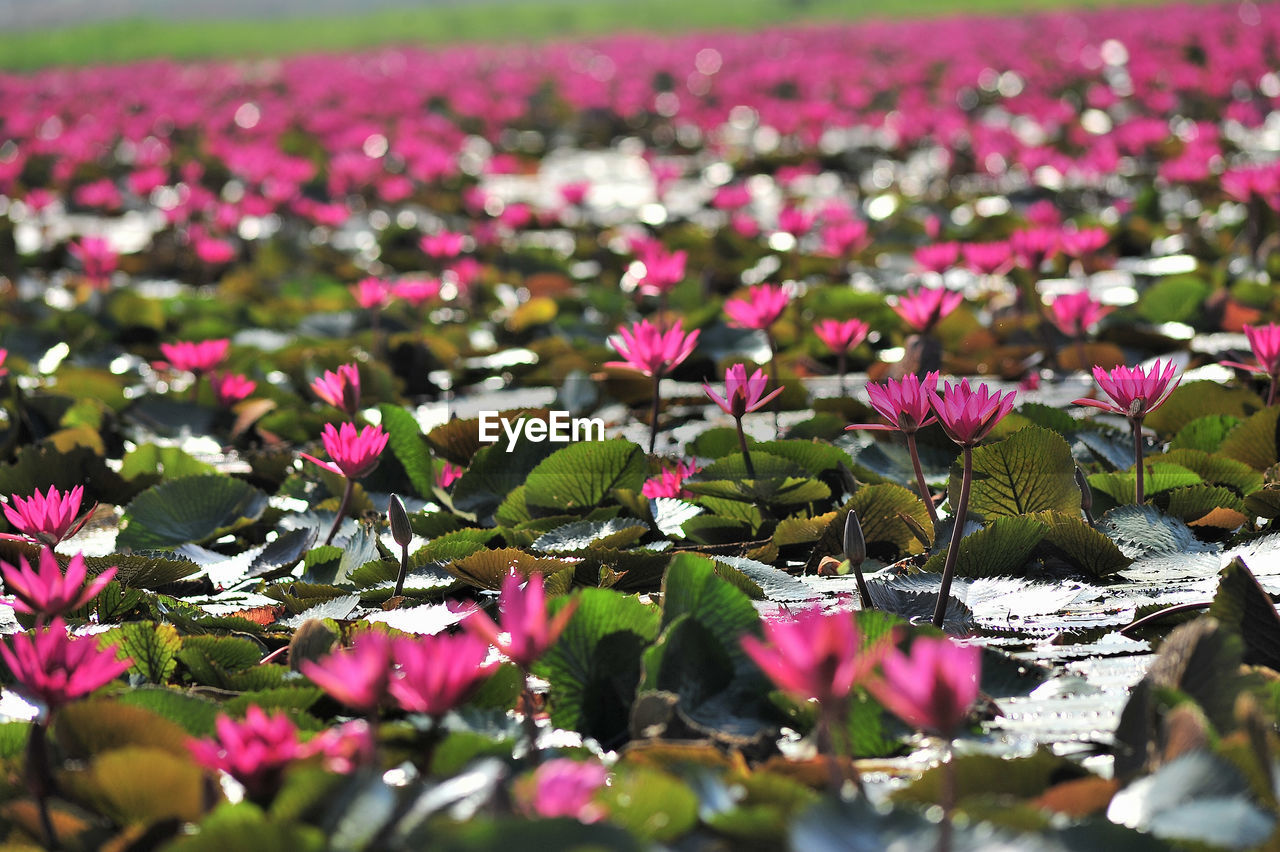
pixel 195 357
pixel 438 673
pixel 1075 313
pixel 742 393
pixel 564 788
pixel 761 308
pixel 933 686
pixel 49 591
pixel 967 415
pixel 526 630
pixel 97 258
pixel 669 483
pixel 841 335
pixel 358 676
pixel 925 307
pixel 652 349
pixel 340 388
pixel 662 270
pixel 1264 340
pixel 814 654
pixel 907 404
pixel 54 669
pixel 47 518
pixel 355 454
pixel 230 388
pixel 255 751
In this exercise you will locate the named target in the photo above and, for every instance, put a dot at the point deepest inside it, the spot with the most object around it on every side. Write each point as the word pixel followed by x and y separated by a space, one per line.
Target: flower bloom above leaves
pixel 357 676
pixel 653 351
pixel 448 474
pixel 526 631
pixel 968 415
pixel 563 788
pixel 933 687
pixel 1135 391
pixel 255 751
pixel 340 388
pixel 1264 340
pixel 663 270
pixel 742 393
pixel 355 454
pixel 195 357
pixel 372 293
pixel 925 307
pixel 1075 313
pixel 230 388
pixel 55 669
pixel 47 518
pixel 668 483
pixel 841 335
pixel 760 309
pixel 906 403
pixel 814 654
pixel 49 592
pixel 437 673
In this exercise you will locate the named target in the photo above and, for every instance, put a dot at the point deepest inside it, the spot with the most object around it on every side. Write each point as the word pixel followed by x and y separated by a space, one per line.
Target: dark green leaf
pixel 192 509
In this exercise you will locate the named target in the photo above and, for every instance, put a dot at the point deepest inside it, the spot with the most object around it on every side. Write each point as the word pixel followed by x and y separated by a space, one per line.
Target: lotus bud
pixel 401 531
pixel 311 641
pixel 1086 494
pixel 855 545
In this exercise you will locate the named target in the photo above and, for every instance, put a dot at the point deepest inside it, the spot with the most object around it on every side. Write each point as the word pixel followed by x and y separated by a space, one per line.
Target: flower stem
pixel 653 423
pixel 530 723
pixel 920 483
pixel 1271 394
pixel 948 799
pixel 842 363
pixel 404 572
pixel 41 781
pixel 1137 460
pixel 957 532
pixel 746 456
pixel 342 511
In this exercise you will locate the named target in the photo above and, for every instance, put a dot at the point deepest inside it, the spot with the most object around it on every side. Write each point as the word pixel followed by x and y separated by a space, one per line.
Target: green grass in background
pixel 133 39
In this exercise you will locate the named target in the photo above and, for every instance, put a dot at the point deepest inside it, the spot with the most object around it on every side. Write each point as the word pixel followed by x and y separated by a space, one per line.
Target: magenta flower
pixel 448 474
pixel 4 371
pixel 575 193
pixel 742 394
pixel 1033 246
pixel 760 309
pixel 55 669
pixel 49 592
pixel 1135 391
pixel 907 404
pixel 1265 342
pixel 841 336
pixel 1083 242
pixel 933 688
pixel 198 358
pixel 358 676
pixel 97 258
pixel 372 293
pixel 443 244
pixel 230 388
pixel 967 415
pixel 814 655
pixel 669 482
pixel 938 257
pixel 340 388
pixel 663 270
pixel 417 291
pixel 1075 313
pixel 794 221
pixel 925 307
pixel 650 349
pixel 526 631
pixel 354 454
pixel 47 518
pixel 437 673
pixel 346 747
pixel 564 788
pixel 842 237
pixel 255 752
pixel 986 258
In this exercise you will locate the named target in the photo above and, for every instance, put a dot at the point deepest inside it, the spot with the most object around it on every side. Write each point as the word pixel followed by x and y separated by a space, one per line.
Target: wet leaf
pixel 1030 471
pixel 152 647
pixel 581 476
pixel 192 509
pixel 999 548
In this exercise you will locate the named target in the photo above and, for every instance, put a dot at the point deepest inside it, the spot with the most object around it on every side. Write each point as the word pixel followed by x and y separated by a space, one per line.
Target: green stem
pixel 41 781
pixel 1139 491
pixel 957 532
pixel 920 483
pixel 530 723
pixel 746 456
pixel 342 511
pixel 404 571
pixel 653 423
pixel 1271 394
pixel 842 363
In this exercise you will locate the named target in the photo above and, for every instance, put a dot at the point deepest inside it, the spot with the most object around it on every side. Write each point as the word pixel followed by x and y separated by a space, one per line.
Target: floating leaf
pixel 406 443
pixel 999 548
pixel 1178 298
pixel 152 647
pixel 1194 502
pixel 815 457
pixel 1143 531
pixel 581 535
pixel 191 509
pixel 168 462
pixel 96 726
pixel 495 472
pixel 1082 545
pixel 989 774
pixel 1254 441
pixel 245 826
pixel 581 476
pixel 880 510
pixel 1240 604
pixel 1158 476
pixel 1030 471
pixel 1217 469
pixel 196 715
pixel 486 569
pixel 777 481
pixel 140 786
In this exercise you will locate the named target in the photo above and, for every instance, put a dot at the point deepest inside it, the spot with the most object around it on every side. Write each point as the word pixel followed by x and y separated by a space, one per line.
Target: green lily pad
pixel 191 509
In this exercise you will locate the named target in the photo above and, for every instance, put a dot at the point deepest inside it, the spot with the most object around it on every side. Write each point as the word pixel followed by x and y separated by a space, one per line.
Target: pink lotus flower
pixel 448 474
pixel 742 393
pixel 526 632
pixel 195 357
pixel 354 454
pixel 663 270
pixel 906 403
pixel 443 244
pixel 1135 392
pixel 230 388
pixel 938 257
pixel 650 349
pixel 761 308
pixel 925 307
pixel 357 676
pixel 340 388
pixel 575 193
pixel 417 291
pixel 372 293
pixel 255 752
pixel 933 688
pixel 967 415
pixel 346 747
pixel 55 669
pixel 841 336
pixel 1083 242
pixel 1075 313
pixel 986 258
pixel 564 788
pixel 4 371
pixel 47 518
pixel 794 221
pixel 49 592
pixel 843 237
pixel 97 258
pixel 1264 340
pixel 814 655
pixel 437 673
pixel 668 483
pixel 1033 246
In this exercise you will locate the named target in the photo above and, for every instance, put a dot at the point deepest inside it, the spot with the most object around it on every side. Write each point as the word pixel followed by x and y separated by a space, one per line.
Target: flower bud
pixel 855 546
pixel 1086 493
pixel 401 531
